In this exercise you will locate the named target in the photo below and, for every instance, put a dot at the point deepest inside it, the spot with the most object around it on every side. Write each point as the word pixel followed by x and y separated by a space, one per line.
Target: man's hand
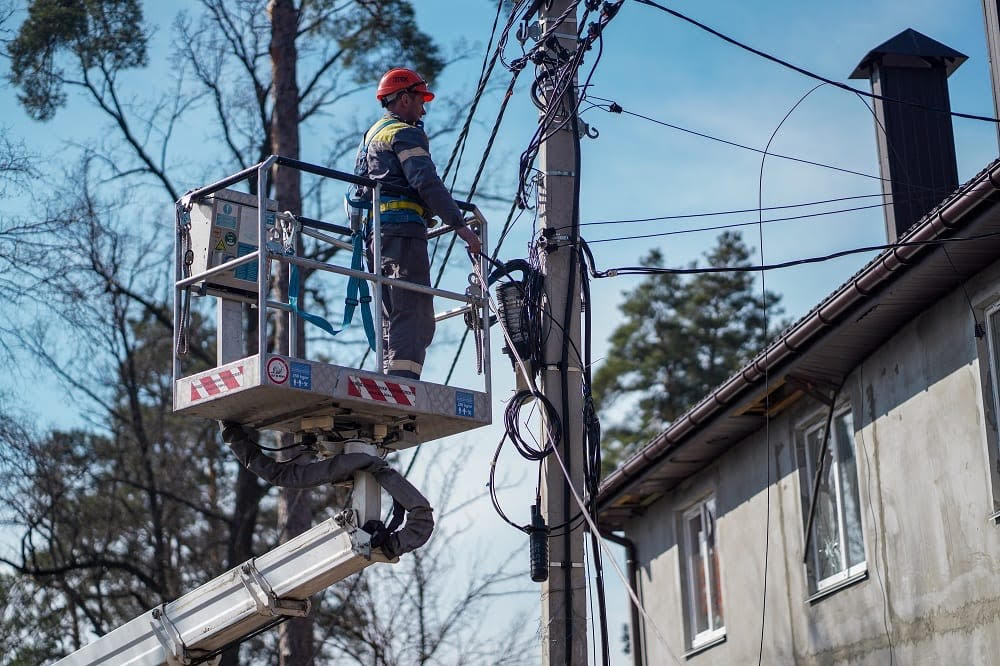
pixel 471 239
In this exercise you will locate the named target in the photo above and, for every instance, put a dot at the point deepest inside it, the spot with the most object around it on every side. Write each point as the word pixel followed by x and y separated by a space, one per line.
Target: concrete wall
pixel 925 451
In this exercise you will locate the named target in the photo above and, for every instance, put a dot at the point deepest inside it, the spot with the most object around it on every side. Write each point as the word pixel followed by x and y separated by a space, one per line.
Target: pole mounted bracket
pixel 361 541
pixel 549 241
pixel 268 603
pixel 177 652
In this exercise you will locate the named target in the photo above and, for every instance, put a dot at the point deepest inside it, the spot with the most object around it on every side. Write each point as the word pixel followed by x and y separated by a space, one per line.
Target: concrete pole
pixel 564 594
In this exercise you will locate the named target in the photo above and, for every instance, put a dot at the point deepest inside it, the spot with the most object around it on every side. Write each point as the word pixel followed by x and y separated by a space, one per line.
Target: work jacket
pixel 397 154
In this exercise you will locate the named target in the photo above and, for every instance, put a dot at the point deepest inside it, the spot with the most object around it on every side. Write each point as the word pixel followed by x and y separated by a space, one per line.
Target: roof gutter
pixel 883 270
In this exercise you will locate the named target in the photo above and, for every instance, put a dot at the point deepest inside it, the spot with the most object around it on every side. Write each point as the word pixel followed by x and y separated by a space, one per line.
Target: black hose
pixel 336 469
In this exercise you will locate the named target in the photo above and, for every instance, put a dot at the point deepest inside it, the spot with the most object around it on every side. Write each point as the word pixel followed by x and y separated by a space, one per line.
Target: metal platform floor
pixel 295 395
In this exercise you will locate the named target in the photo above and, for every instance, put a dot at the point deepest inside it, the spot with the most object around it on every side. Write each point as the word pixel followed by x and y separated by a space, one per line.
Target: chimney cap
pixel 910 49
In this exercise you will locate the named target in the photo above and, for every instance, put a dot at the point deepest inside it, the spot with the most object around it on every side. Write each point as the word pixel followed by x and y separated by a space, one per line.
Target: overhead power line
pixel 614 107
pixel 653 270
pixel 806 72
pixel 736 225
pixel 685 216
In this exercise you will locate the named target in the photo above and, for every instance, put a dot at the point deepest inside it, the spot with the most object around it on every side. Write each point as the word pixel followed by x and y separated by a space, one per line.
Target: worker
pixel 396 152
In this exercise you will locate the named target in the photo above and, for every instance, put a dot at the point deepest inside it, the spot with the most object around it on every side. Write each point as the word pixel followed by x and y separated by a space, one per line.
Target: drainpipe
pixel 633 575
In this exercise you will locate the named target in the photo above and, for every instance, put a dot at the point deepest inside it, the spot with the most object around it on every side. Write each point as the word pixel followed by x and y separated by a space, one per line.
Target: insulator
pixel 538 538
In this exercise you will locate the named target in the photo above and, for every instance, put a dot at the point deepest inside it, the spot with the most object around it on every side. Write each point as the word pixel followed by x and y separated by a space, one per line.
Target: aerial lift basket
pixel 219 254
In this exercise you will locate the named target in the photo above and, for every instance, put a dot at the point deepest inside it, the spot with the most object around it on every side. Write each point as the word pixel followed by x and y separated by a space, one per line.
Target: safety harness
pixel 392 208
pixel 355 285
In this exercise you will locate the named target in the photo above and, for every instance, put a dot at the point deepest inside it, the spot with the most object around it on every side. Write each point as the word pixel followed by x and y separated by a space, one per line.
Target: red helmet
pixel 402 80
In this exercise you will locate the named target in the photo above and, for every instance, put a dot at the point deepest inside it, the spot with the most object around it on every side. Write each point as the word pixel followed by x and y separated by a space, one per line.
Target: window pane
pixel 713 564
pixel 843 431
pixel 826 528
pixel 696 571
pixel 994 331
pixel 812 450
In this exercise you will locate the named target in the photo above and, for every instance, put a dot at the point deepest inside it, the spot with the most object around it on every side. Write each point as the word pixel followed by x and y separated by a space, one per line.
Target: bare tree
pixel 142 505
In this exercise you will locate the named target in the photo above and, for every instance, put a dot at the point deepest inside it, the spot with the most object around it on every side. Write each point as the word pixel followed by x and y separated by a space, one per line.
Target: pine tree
pixel 679 339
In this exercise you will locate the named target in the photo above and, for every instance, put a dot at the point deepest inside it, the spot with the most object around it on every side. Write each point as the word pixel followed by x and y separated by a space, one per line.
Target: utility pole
pixel 564 594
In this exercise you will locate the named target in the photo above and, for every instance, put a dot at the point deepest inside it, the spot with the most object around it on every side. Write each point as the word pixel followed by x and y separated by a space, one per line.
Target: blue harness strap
pixel 354 286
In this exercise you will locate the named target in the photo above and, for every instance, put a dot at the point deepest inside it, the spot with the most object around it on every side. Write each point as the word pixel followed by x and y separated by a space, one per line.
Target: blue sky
pixel 658 66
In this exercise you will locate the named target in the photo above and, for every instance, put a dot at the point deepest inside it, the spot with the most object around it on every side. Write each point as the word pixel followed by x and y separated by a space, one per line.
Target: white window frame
pixel 991 345
pixel 705 510
pixel 813 424
pixel 992 445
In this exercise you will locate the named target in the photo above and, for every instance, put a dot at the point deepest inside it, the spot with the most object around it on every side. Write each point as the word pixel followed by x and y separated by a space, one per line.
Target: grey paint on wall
pixel 926 458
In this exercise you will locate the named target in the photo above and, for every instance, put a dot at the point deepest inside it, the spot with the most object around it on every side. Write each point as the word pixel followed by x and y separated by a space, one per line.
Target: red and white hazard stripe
pixel 381 390
pixel 216 383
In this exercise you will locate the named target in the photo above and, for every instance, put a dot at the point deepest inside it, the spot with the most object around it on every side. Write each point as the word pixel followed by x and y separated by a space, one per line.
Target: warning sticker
pixel 381 390
pixel 277 370
pixel 301 376
pixel 230 238
pixel 220 246
pixel 216 383
pixel 465 404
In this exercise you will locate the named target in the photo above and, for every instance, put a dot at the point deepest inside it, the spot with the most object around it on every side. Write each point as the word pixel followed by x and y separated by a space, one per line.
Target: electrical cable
pixel 651 270
pixel 520 364
pixel 479 171
pixel 685 216
pixel 604 547
pixel 567 66
pixel 736 225
pixel 484 75
pixel 806 72
pixel 562 77
pixel 767 392
pixel 614 107
pixel 871 511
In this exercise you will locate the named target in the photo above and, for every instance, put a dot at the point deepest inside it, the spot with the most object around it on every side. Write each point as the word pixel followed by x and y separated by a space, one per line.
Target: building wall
pixel 925 448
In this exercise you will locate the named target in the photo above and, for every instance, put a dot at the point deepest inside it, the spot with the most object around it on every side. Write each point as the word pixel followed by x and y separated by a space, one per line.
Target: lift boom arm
pixel 237 603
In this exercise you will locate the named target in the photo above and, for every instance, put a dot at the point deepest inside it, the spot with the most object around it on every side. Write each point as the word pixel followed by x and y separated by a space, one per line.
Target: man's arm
pixel 410 146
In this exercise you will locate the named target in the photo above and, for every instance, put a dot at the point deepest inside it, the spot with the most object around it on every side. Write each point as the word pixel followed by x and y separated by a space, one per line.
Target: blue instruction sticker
pixel 226 221
pixel 246 272
pixel 301 376
pixel 465 404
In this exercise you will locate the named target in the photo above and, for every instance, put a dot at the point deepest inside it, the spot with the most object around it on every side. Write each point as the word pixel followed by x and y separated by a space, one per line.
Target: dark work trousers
pixel 408 316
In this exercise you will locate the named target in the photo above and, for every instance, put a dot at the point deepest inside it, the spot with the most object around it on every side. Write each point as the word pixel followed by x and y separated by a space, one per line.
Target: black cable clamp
pixel 550 241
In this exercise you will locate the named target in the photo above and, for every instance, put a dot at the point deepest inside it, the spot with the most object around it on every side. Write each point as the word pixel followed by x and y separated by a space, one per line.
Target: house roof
pixel 820 349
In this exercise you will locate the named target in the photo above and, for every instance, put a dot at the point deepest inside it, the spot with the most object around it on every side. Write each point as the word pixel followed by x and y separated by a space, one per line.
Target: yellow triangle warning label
pixel 221 245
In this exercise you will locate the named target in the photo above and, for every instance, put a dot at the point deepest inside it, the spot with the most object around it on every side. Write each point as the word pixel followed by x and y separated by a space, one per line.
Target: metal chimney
pixel 916 145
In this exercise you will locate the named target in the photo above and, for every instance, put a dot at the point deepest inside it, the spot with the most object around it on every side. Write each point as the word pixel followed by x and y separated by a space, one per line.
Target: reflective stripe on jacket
pixel 399 155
